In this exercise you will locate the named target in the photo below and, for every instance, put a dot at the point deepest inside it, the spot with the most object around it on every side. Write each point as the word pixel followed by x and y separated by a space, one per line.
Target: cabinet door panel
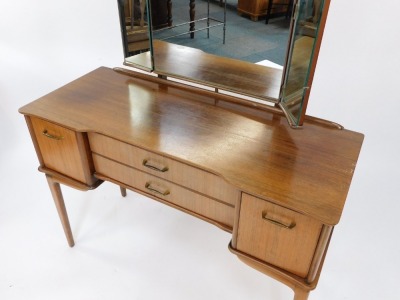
pixel 276 235
pixel 59 149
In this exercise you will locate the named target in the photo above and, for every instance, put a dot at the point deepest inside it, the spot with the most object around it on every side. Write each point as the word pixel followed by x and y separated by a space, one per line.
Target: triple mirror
pixel 209 42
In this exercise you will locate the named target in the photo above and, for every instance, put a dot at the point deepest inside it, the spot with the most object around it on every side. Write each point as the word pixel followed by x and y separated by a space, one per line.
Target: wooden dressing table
pixel 240 166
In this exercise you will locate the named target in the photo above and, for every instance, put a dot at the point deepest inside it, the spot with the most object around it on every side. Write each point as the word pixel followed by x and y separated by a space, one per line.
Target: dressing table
pixel 274 178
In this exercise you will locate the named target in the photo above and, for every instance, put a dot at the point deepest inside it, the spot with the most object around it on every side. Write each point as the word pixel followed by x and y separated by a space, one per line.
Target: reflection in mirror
pixel 136 36
pixel 208 42
pixel 246 58
pixel 305 33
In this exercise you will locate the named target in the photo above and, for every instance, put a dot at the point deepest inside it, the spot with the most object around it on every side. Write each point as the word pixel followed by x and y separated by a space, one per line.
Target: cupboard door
pixel 62 150
pixel 277 235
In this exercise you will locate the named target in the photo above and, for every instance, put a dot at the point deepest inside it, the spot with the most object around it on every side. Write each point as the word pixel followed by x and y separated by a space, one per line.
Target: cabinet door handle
pixel 154 166
pixel 50 136
pixel 157 189
pixel 278 223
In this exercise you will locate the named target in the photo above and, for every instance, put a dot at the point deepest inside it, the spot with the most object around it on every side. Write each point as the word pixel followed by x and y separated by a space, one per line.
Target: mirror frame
pixel 292 120
pixel 312 67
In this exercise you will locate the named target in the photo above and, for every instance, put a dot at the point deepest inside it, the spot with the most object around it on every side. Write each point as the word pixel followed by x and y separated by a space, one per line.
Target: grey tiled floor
pixel 245 39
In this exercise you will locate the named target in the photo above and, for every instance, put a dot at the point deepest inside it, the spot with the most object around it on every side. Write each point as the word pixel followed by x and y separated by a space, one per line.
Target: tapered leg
pixel 300 294
pixel 60 205
pixel 123 191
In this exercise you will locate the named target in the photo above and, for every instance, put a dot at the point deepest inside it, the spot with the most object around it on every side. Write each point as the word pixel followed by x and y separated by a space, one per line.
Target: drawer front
pixel 179 173
pixel 165 190
pixel 276 235
pixel 59 149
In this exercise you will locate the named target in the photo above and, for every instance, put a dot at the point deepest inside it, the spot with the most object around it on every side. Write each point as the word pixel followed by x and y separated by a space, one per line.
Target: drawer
pixel 166 168
pixel 165 190
pixel 62 150
pixel 277 235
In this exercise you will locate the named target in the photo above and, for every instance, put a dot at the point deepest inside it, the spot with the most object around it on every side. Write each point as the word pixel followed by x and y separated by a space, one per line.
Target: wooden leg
pixel 60 205
pixel 300 294
pixel 192 9
pixel 169 13
pixel 269 8
pixel 123 191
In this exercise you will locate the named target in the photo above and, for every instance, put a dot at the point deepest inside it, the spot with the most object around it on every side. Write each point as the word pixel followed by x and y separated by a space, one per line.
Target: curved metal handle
pixel 277 223
pixel 50 136
pixel 156 189
pixel 154 165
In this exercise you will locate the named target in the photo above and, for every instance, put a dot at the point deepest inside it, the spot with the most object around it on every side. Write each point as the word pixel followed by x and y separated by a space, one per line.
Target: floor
pixel 245 39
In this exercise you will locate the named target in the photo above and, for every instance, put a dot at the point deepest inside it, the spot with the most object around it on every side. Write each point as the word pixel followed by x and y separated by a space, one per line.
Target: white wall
pixel 45 44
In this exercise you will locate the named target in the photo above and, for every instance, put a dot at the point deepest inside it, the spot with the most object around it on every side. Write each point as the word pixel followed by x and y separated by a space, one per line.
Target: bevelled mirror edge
pixel 121 14
pixel 135 21
pixel 297 121
pixel 314 59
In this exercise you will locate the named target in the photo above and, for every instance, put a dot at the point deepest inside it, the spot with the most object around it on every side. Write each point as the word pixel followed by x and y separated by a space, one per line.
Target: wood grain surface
pixel 307 170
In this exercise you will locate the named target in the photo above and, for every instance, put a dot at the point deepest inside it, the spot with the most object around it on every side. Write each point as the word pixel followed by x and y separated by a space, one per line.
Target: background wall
pixel 135 248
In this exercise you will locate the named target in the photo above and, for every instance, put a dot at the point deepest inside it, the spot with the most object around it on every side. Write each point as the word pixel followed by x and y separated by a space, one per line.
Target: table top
pixel 308 170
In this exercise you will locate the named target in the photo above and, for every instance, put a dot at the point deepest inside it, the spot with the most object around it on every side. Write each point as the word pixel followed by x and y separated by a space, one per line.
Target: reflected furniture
pixel 274 4
pixel 161 11
pixel 136 26
pixel 260 8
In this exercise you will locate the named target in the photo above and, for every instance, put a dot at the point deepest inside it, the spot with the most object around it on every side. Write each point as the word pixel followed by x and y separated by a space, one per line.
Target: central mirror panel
pixel 209 42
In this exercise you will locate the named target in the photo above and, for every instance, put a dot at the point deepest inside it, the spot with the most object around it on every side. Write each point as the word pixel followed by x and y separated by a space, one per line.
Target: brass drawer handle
pixel 50 136
pixel 154 166
pixel 157 189
pixel 277 223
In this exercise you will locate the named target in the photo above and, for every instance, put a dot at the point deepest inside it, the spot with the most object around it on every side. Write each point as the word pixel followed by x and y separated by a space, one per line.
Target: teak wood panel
pixel 60 150
pixel 160 166
pixel 307 170
pixel 167 191
pixel 291 249
pixel 254 8
pixel 257 8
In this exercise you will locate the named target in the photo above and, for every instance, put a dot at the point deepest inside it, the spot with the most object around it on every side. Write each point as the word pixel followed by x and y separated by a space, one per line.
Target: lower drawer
pixel 165 190
pixel 169 169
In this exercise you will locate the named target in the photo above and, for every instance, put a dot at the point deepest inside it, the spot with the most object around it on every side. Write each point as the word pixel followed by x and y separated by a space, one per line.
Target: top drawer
pixel 160 166
pixel 62 150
